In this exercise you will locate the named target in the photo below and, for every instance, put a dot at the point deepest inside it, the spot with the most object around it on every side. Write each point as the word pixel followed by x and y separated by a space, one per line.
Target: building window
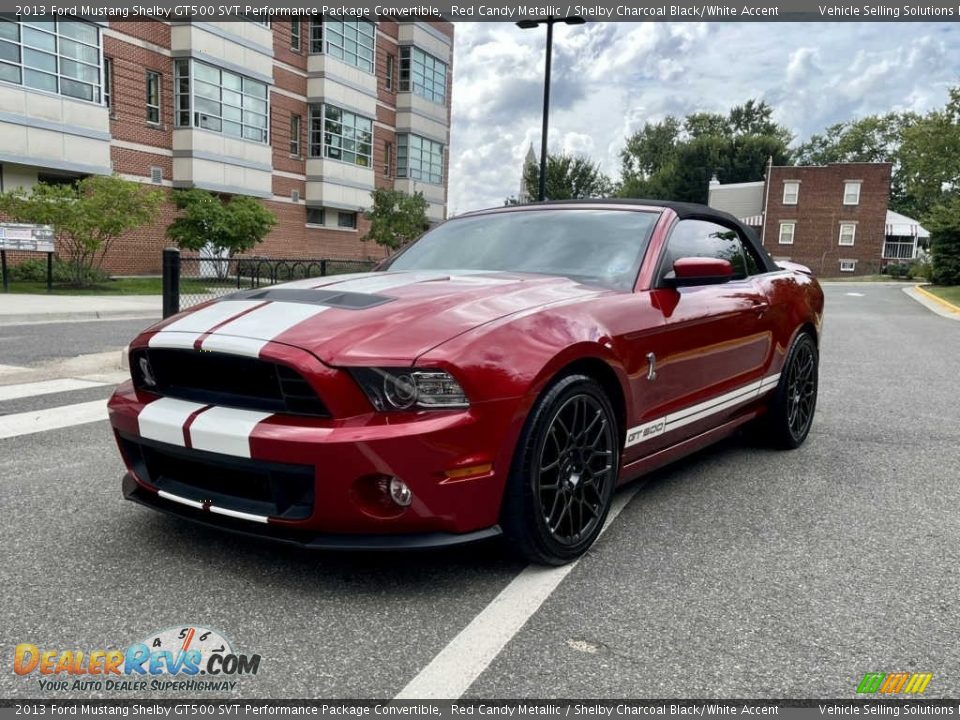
pixel 341 135
pixel 347 220
pixel 352 42
pixel 295 135
pixel 295 35
pixel 848 232
pixel 108 83
pixel 851 192
pixel 388 159
pixel 787 230
pixel 314 216
pixel 419 159
pixel 423 74
pixel 153 97
pixel 221 101
pixel 791 193
pixel 388 79
pixel 848 266
pixel 61 56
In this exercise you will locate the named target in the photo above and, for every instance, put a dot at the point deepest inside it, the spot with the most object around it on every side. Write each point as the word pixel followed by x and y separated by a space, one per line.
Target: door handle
pixel 760 306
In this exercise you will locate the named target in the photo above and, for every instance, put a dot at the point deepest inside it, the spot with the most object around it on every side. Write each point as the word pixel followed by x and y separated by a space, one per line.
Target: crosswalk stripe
pixel 45 387
pixel 52 419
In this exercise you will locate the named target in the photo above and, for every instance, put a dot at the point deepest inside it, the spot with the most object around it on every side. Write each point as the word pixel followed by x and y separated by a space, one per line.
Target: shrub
pixel 36 271
pixel 944 225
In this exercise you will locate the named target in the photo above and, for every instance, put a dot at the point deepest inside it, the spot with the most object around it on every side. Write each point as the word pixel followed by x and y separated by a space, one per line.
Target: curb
pixel 37 318
pixel 946 304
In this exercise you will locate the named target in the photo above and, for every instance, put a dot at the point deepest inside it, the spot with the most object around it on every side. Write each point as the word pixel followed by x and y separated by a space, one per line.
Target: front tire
pixel 795 400
pixel 564 473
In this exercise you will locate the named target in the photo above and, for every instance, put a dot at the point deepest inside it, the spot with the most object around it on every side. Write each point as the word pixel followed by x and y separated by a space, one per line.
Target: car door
pixel 711 351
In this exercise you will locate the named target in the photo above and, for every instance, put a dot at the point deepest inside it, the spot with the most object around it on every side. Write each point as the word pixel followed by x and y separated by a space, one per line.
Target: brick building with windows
pixel 833 218
pixel 308 115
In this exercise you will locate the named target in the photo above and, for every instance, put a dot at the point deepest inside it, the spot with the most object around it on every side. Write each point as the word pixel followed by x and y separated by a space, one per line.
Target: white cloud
pixel 611 78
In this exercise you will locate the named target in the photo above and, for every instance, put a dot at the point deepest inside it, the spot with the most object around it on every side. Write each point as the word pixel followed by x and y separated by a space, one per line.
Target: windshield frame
pixel 550 206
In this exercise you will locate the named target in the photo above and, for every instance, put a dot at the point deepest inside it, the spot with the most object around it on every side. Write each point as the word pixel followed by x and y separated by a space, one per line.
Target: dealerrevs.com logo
pixel 894 683
pixel 188 658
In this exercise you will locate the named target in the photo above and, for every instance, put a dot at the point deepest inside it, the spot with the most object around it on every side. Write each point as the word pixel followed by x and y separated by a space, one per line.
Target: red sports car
pixel 501 375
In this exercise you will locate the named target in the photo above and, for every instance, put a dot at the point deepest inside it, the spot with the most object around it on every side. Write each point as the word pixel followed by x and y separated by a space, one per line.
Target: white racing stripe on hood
pixel 378 282
pixel 248 334
pixel 202 320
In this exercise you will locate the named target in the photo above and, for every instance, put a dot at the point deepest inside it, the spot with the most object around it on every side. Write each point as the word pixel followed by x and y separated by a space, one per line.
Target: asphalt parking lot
pixel 739 573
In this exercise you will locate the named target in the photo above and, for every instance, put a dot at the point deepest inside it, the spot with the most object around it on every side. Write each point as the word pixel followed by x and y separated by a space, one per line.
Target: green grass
pixel 124 286
pixel 949 293
pixel 120 286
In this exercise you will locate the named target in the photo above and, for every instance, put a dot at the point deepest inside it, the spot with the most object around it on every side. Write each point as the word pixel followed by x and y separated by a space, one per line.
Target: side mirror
pixel 698 271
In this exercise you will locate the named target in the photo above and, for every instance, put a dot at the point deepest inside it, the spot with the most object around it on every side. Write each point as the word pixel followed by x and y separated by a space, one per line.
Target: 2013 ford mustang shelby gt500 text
pixel 501 375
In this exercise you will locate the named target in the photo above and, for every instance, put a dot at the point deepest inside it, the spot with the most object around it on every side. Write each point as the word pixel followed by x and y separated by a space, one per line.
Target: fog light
pixel 400 493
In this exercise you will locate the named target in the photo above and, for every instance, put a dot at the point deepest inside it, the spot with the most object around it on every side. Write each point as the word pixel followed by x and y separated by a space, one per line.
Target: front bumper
pixel 132 490
pixel 307 480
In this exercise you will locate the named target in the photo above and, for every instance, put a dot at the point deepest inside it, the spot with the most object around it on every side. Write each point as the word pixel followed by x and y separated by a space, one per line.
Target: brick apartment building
pixel 308 115
pixel 833 219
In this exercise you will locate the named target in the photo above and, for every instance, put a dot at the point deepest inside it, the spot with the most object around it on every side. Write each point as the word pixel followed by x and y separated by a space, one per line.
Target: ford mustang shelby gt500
pixel 501 375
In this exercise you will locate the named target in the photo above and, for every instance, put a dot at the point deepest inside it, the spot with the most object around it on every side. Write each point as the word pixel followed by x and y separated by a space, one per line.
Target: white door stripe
pixel 694 413
pixel 52 418
pixel 451 673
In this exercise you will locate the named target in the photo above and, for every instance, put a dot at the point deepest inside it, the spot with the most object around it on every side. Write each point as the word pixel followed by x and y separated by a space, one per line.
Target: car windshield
pixel 592 246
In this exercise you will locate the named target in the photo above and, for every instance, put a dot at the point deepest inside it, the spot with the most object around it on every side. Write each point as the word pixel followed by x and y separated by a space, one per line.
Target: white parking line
pixel 52 418
pixel 45 387
pixel 450 674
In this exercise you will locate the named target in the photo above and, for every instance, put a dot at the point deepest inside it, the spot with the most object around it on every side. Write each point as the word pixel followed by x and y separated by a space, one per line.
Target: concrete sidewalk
pixel 18 308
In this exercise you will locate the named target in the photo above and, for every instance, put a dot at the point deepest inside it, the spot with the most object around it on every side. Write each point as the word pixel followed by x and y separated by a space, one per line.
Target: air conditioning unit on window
pixel 295 195
pixel 156 175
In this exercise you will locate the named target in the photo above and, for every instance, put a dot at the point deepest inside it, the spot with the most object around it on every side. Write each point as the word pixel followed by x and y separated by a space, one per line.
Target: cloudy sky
pixel 610 78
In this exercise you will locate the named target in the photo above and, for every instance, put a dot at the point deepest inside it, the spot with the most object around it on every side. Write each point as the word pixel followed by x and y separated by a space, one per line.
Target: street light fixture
pixel 549 21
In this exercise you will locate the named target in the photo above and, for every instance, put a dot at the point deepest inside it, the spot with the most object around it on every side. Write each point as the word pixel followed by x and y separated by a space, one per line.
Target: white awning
pixel 753 220
pixel 902 226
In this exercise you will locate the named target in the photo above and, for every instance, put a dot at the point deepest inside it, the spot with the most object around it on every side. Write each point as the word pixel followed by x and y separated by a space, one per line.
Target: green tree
pixel 929 159
pixel 569 177
pixel 233 226
pixel 87 216
pixel 943 221
pixel 396 218
pixel 676 158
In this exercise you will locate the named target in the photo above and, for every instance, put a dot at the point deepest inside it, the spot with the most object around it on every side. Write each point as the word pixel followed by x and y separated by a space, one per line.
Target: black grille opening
pixel 251 486
pixel 228 380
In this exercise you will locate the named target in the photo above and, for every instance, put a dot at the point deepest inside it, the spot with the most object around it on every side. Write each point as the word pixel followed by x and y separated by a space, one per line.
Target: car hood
pixel 388 317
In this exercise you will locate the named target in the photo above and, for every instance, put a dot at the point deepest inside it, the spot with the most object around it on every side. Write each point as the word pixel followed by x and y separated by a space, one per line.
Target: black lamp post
pixel 549 21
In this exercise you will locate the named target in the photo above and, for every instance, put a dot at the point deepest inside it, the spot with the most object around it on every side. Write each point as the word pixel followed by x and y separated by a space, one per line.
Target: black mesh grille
pixel 252 486
pixel 228 380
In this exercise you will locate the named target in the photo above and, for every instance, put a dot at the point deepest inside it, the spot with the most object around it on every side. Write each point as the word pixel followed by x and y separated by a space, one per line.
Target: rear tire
pixel 564 472
pixel 792 407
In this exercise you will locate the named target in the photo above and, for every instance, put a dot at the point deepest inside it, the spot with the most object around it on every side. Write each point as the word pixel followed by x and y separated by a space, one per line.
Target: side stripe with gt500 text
pixel 695 413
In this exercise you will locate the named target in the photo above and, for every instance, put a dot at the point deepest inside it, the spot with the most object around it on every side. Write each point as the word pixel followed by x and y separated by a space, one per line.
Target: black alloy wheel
pixel 564 473
pixel 795 400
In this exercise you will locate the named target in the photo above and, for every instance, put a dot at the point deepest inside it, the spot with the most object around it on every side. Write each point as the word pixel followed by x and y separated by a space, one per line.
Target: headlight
pixel 410 388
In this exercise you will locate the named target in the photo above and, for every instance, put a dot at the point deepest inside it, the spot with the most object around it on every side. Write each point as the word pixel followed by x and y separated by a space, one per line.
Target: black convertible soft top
pixel 683 210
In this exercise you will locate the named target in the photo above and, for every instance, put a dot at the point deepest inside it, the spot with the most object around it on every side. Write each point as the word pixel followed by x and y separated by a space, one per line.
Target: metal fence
pixel 192 279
